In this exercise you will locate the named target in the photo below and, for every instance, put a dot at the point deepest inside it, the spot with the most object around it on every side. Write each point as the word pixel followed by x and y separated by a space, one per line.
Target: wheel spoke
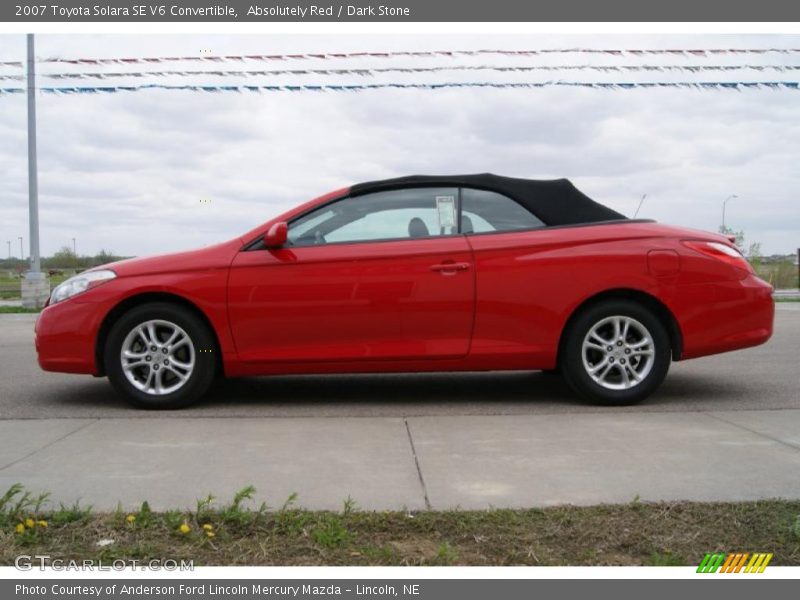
pixel 134 364
pixel 626 380
pixel 592 344
pixel 617 328
pixel 149 381
pixel 151 330
pixel 159 381
pixel 643 342
pixel 598 366
pixel 172 337
pixel 177 373
pixel 604 373
pixel 187 366
pixel 142 333
pixel 181 342
pixel 641 352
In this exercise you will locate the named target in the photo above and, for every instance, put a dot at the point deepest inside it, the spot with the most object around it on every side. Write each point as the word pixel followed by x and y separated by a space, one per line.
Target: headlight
pixel 80 283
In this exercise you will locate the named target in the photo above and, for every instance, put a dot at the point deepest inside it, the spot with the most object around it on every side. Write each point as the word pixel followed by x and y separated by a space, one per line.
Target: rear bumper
pixel 739 315
pixel 65 337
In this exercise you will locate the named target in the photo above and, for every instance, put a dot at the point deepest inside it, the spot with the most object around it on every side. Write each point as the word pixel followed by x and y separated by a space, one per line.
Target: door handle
pixel 450 267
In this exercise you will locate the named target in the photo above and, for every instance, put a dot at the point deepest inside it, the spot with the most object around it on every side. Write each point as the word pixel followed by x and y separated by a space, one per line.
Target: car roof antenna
pixel 640 205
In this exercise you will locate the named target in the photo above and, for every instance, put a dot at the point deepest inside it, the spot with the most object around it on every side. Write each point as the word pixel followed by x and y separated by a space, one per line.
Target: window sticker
pixel 446 211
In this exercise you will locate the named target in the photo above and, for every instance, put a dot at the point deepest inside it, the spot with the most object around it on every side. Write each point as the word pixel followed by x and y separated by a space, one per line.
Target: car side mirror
pixel 277 235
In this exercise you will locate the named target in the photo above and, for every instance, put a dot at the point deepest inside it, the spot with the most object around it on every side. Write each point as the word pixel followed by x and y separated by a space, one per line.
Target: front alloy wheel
pixel 160 355
pixel 616 352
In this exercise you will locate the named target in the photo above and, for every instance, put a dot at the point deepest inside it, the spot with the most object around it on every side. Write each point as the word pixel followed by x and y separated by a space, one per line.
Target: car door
pixel 514 277
pixel 382 276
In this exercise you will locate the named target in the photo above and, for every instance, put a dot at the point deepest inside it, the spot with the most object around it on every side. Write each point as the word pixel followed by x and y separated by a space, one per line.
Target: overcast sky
pixel 127 172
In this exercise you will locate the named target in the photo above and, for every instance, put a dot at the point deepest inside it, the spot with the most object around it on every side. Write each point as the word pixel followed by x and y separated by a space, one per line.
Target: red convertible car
pixel 422 273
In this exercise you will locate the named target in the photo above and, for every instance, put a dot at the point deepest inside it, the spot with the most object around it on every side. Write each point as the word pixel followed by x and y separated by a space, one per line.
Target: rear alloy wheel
pixel 616 352
pixel 160 355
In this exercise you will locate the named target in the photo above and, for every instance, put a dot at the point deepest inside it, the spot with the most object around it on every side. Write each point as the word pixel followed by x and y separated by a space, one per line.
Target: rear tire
pixel 160 356
pixel 616 352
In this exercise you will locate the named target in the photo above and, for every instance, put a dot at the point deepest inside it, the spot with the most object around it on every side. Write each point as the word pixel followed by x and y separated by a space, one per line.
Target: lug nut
pixel 622 361
pixel 610 348
pixel 147 358
pixel 166 363
pixel 627 350
pixel 153 348
pixel 619 342
pixel 155 367
pixel 164 350
pixel 611 360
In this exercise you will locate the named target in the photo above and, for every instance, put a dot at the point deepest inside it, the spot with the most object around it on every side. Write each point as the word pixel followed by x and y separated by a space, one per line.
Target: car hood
pixel 211 257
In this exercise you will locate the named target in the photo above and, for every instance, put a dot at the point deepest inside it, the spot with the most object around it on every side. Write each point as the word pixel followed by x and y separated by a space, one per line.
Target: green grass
pixel 242 532
pixel 12 310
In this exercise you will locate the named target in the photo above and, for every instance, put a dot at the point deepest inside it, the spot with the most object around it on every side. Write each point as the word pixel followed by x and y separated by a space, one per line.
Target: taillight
pixel 723 252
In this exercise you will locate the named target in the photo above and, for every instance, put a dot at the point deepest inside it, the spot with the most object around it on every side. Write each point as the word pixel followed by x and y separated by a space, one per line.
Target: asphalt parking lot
pixel 763 378
pixel 721 428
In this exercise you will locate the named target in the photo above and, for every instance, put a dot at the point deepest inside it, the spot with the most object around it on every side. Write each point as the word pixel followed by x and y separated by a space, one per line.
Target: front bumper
pixel 65 337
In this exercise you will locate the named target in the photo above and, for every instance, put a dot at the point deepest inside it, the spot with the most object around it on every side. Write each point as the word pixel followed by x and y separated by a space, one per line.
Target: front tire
pixel 160 356
pixel 616 352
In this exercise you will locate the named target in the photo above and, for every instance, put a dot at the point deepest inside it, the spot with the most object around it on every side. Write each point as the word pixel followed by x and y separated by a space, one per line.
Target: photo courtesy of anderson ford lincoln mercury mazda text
pixel 421 273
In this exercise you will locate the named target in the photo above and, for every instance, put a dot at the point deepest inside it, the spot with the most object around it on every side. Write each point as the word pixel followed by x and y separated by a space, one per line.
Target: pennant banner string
pixel 697 52
pixel 376 71
pixel 702 52
pixel 702 85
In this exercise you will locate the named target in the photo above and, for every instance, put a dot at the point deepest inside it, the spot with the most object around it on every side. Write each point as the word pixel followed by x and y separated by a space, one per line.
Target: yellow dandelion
pixel 209 534
pixel 184 528
pixel 30 523
pixel 130 518
pixel 208 527
pixel 20 528
pixel 42 524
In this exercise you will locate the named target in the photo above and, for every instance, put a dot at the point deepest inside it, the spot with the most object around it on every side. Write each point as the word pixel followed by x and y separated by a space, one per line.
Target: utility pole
pixel 21 251
pixel 9 248
pixel 74 248
pixel 33 178
pixel 35 287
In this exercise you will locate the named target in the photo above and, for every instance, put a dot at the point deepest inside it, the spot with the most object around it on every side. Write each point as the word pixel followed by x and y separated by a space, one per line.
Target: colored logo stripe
pixel 758 563
pixel 711 563
pixel 734 562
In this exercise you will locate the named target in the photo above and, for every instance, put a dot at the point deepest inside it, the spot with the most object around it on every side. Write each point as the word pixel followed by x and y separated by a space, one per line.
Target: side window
pixel 396 214
pixel 483 211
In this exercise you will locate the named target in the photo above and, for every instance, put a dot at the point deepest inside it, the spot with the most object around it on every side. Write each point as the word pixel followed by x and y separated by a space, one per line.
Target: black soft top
pixel 555 202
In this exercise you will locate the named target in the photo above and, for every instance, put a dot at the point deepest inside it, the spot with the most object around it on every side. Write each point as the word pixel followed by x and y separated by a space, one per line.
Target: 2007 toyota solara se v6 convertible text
pixel 422 273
